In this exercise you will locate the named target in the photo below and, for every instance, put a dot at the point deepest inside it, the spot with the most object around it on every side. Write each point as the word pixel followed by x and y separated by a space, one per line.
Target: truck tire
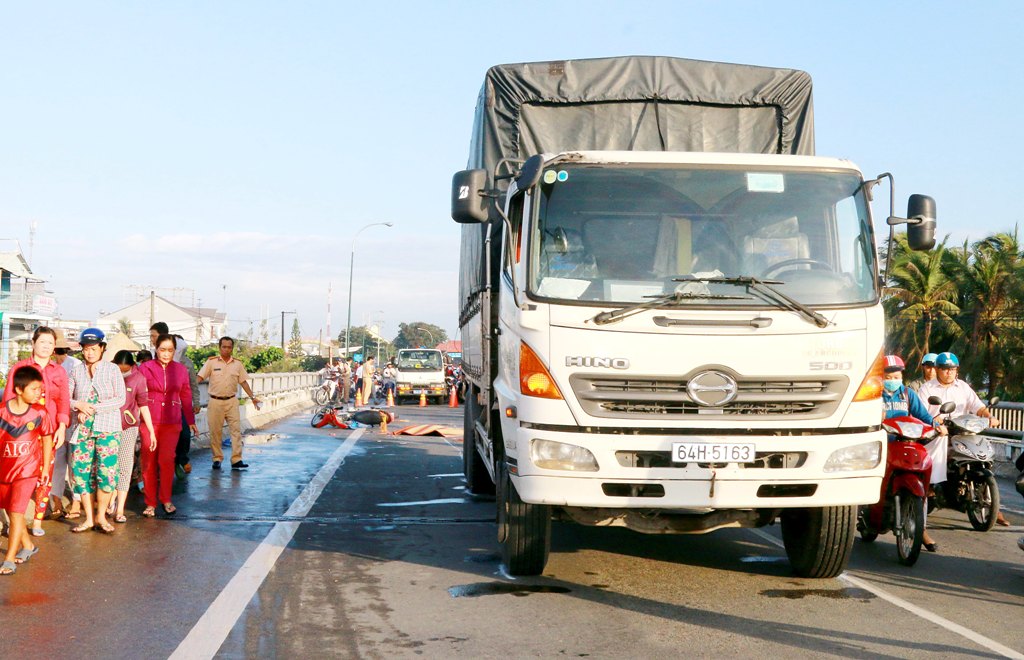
pixel 524 530
pixel 982 511
pixel 819 541
pixel 478 481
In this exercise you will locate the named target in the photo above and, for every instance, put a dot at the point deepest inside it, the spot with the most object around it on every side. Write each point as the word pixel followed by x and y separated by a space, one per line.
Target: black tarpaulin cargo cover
pixel 631 104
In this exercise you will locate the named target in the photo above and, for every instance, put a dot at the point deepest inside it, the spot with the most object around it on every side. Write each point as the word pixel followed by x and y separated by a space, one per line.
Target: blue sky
pixel 198 144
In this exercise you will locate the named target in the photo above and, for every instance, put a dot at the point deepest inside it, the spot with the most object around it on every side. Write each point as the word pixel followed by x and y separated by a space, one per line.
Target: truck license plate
pixel 712 452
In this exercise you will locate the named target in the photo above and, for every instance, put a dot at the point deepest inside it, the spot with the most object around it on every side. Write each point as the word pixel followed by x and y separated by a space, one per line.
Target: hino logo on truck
pixel 712 388
pixel 607 363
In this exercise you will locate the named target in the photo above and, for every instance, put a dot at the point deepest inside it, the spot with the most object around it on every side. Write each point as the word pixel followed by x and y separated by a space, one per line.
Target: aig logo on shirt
pixel 16 449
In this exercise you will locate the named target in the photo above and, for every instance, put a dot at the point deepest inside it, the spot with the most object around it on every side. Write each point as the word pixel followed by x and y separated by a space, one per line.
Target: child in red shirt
pixel 25 441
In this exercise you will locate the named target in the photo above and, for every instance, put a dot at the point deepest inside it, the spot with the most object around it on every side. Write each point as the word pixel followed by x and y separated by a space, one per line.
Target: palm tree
pixel 988 276
pixel 124 326
pixel 921 298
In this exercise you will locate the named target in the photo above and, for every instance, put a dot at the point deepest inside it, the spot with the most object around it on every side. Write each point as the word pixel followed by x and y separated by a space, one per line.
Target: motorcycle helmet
pixel 928 360
pixel 946 359
pixel 893 363
pixel 92 336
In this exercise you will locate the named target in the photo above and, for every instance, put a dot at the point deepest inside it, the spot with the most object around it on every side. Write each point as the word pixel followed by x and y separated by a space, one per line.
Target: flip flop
pixel 84 527
pixel 25 554
pixel 37 531
pixel 170 509
pixel 71 515
pixel 105 527
pixel 149 512
pixel 120 519
pixel 8 568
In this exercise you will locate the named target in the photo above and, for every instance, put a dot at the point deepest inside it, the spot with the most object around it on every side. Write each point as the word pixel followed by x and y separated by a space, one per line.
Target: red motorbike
pixel 901 507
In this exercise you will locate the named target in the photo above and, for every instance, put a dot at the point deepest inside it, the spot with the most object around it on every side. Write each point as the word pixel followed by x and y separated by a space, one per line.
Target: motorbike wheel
pixel 320 397
pixel 910 533
pixel 318 418
pixel 982 509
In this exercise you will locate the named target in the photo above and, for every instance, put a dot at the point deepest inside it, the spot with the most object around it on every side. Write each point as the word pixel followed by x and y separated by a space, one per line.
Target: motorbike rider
pixel 927 372
pixel 947 387
pixel 900 400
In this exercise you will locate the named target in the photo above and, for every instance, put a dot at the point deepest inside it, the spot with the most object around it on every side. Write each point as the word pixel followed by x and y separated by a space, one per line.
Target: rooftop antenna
pixel 31 241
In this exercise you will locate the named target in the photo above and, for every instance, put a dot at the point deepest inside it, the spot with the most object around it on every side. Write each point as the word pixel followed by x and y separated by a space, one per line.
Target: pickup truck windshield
pixel 419 360
pixel 618 234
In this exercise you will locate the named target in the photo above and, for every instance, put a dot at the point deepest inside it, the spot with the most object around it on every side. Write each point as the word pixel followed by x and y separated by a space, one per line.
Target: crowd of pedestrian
pixel 97 426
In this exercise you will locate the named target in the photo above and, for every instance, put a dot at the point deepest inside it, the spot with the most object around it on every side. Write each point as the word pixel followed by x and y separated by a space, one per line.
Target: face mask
pixel 891 385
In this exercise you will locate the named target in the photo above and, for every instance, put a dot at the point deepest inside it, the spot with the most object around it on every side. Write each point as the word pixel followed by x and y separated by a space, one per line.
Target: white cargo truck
pixel 420 371
pixel 669 306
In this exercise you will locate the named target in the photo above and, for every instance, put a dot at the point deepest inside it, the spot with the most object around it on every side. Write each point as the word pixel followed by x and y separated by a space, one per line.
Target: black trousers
pixel 184 443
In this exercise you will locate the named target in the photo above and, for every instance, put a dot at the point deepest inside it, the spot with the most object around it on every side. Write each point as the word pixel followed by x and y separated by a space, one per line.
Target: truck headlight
pixel 864 456
pixel 552 455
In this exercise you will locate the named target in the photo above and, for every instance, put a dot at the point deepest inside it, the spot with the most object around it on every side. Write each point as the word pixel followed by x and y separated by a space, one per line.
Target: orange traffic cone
pixel 453 400
pixel 359 399
pixel 384 423
pixel 391 399
pixel 423 399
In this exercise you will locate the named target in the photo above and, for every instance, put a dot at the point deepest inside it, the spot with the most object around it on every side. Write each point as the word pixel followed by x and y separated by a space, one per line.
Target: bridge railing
pixel 269 386
pixel 1010 434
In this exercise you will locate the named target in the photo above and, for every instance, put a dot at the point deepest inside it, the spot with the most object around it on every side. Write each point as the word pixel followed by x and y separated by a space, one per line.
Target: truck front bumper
pixel 635 471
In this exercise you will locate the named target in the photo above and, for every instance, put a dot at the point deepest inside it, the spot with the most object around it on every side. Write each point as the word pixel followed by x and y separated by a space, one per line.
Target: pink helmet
pixel 893 363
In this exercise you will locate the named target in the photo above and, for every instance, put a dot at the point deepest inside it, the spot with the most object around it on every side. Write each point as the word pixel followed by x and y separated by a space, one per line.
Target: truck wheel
pixel 524 530
pixel 910 534
pixel 984 506
pixel 478 481
pixel 819 541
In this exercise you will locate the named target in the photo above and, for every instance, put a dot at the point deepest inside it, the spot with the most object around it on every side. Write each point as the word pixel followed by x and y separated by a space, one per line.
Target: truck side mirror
pixel 469 198
pixel 529 173
pixel 921 228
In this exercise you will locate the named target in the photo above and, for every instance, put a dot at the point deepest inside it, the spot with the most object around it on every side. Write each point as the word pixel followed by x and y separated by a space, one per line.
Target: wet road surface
pixel 394 560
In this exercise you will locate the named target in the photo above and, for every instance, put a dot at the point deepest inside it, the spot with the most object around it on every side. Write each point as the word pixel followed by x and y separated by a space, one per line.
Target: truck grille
pixel 666 398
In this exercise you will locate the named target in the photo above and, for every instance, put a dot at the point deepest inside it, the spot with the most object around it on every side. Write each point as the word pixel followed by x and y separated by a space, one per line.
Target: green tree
pixel 921 299
pixel 124 326
pixel 295 344
pixel 420 333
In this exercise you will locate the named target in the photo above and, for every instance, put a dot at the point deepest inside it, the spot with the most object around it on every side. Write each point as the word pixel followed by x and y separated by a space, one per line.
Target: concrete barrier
pixel 281 395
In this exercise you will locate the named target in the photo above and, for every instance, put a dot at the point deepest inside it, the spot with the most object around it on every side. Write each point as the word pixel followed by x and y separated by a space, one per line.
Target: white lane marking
pixel 446 500
pixel 451 474
pixel 951 626
pixel 209 633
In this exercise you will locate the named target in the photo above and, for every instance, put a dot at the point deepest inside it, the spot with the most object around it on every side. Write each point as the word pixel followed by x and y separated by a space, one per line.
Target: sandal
pixel 25 554
pixel 149 512
pixel 71 515
pixel 105 527
pixel 170 509
pixel 84 527
pixel 120 519
pixel 37 531
pixel 8 568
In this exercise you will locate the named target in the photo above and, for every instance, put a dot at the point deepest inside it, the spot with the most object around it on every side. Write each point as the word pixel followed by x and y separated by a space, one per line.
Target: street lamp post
pixel 282 328
pixel 351 270
pixel 429 334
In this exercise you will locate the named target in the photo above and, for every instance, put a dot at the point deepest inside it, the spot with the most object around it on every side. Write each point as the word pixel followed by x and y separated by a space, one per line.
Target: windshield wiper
pixel 663 300
pixel 765 288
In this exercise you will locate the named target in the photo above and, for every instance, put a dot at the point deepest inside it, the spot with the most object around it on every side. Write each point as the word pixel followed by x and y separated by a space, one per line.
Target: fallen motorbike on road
pixel 970 485
pixel 901 507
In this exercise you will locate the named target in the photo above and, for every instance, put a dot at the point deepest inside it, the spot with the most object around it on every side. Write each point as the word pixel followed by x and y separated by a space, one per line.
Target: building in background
pixel 24 303
pixel 198 325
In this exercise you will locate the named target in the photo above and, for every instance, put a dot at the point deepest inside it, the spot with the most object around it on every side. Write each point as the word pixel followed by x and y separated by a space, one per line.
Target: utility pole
pixel 282 327
pixel 152 307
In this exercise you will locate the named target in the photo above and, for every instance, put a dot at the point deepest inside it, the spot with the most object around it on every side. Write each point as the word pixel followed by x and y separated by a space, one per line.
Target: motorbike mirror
pixel 946 408
pixel 993 401
pixel 934 400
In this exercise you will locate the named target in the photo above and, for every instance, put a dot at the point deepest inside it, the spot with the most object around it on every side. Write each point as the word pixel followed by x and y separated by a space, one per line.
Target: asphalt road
pixel 365 545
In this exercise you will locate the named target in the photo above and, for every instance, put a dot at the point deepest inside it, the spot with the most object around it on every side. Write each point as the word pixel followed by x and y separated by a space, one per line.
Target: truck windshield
pixel 413 360
pixel 624 234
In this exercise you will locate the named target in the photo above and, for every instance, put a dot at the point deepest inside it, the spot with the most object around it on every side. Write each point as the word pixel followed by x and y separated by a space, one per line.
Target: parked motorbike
pixel 329 392
pixel 900 508
pixel 970 485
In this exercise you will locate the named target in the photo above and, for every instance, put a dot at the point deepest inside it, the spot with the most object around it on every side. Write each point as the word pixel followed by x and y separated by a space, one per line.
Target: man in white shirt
pixel 947 387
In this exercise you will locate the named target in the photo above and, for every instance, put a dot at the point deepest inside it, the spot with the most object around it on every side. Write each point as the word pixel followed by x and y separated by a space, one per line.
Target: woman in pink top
pixel 169 396
pixel 56 402
pixel 134 417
